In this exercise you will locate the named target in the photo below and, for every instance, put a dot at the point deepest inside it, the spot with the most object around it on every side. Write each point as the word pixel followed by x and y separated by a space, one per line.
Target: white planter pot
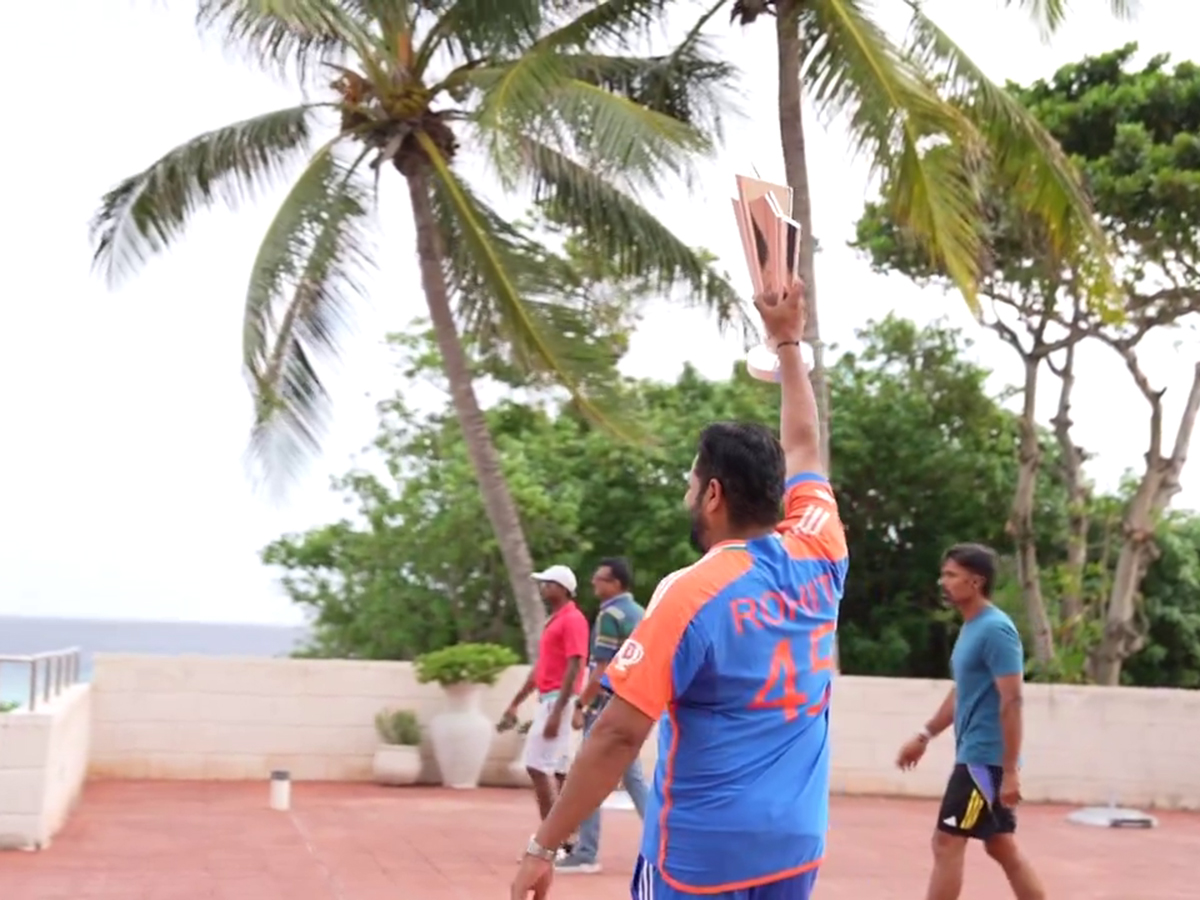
pixel 461 736
pixel 518 775
pixel 396 764
pixel 508 754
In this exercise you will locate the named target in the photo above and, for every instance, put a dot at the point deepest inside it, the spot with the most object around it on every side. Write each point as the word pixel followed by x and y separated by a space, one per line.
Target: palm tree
pixel 897 102
pixel 552 97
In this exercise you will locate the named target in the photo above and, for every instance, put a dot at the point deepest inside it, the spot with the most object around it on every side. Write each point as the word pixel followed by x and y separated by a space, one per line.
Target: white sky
pixel 124 415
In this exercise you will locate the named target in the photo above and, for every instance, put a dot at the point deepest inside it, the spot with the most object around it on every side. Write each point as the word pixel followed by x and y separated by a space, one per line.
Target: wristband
pixel 537 851
pixel 925 734
pixel 787 344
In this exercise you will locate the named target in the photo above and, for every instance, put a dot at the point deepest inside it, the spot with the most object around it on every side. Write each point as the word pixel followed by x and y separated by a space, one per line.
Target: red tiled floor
pixel 196 840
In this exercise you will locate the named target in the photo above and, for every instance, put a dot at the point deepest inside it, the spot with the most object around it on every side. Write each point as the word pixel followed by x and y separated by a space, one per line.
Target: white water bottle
pixel 281 790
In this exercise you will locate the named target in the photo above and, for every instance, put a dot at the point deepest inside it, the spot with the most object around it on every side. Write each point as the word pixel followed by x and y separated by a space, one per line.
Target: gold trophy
pixel 771 243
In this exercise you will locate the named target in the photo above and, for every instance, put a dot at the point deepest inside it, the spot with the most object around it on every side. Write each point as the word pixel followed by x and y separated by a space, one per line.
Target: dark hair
pixel 619 567
pixel 748 462
pixel 978 560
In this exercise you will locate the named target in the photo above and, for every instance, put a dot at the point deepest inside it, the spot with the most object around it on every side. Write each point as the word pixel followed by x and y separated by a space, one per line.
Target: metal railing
pixel 50 673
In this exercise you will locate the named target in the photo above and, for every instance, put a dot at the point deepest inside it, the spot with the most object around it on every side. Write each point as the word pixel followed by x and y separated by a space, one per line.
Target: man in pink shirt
pixel 557 676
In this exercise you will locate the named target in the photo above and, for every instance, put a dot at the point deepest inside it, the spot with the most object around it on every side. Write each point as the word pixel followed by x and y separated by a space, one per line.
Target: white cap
pixel 559 575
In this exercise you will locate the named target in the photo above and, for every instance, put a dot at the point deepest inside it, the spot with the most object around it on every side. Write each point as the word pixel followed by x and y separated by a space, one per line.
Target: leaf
pixel 1049 15
pixel 894 116
pixel 687 85
pixel 143 214
pixel 532 325
pixel 474 30
pixel 303 281
pixel 616 226
pixel 1025 160
pixel 290 35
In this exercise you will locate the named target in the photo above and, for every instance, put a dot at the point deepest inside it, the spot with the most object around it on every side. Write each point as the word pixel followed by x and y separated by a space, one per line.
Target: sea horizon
pixel 26 635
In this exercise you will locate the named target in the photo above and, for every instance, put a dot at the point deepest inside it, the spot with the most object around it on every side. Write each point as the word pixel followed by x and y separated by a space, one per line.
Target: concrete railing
pixel 197 717
pixel 44 750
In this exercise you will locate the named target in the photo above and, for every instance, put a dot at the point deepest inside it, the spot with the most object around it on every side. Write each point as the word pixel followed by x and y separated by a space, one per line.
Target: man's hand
pixel 577 719
pixel 911 753
pixel 1010 788
pixel 553 724
pixel 533 878
pixel 783 316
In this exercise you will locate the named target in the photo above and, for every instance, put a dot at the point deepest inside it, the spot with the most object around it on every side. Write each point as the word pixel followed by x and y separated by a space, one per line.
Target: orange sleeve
pixel 811 526
pixel 663 654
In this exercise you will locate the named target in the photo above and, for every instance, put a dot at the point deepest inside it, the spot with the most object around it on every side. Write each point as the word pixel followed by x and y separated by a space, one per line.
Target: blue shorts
pixel 648 884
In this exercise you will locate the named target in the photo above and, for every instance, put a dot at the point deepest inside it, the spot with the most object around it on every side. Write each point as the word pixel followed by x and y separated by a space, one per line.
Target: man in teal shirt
pixel 984 706
pixel 619 614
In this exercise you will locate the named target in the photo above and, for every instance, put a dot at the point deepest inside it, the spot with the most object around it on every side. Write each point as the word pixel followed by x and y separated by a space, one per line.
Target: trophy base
pixel 762 362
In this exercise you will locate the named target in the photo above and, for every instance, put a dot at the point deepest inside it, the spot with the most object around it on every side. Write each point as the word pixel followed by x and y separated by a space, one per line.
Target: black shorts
pixel 971 806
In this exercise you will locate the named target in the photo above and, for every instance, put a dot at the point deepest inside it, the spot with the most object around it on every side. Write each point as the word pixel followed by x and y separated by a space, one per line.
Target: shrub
pixel 398 727
pixel 465 664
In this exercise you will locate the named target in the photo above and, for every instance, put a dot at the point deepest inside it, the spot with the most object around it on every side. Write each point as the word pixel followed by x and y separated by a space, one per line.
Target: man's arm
pixel 799 430
pixel 525 691
pixel 607 643
pixel 1011 719
pixel 575 648
pixel 658 661
pixel 592 689
pixel 1005 658
pixel 942 719
pixel 612 745
pixel 570 678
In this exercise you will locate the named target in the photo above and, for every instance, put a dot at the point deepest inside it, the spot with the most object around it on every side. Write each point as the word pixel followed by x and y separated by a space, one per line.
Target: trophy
pixel 771 243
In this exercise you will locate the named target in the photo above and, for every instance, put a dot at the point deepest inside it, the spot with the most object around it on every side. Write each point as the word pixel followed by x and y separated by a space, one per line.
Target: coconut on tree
pixel 555 100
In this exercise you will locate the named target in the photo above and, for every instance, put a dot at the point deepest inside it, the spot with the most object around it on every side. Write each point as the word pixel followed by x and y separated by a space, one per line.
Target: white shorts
pixel 551 756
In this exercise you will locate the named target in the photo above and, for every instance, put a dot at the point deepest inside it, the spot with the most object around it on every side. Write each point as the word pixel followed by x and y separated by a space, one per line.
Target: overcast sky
pixel 124 414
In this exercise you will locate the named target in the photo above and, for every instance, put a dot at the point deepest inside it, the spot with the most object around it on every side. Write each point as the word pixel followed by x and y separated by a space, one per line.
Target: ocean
pixel 22 636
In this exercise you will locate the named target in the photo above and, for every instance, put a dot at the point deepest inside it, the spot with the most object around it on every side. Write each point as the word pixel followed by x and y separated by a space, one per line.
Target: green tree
pixel 1171 592
pixel 555 98
pixel 418 567
pixel 1135 136
pixel 896 100
pixel 924 459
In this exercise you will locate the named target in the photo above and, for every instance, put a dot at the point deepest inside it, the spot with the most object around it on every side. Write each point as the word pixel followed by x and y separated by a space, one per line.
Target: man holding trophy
pixel 734 659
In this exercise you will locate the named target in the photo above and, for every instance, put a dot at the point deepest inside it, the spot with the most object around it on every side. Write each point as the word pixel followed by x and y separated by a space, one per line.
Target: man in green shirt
pixel 619 614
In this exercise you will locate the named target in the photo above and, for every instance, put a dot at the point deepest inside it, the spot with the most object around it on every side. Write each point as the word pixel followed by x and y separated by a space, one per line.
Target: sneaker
pixel 569 864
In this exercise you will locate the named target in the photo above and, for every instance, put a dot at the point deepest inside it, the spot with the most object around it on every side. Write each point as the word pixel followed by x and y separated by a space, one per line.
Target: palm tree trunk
pixel 795 166
pixel 497 499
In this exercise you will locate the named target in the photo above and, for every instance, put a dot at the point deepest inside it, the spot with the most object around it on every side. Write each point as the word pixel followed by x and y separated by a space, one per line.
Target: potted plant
pixel 461 734
pixel 398 757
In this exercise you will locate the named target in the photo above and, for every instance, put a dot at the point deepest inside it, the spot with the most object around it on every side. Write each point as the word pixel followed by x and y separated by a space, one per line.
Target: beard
pixel 698 536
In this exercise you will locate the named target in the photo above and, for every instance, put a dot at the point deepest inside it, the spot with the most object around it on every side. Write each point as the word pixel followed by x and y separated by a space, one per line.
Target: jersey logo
pixel 630 654
pixel 951 821
pixel 811 520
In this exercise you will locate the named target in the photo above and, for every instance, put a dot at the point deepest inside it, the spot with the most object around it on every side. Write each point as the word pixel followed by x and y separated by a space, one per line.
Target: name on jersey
pixel 814 599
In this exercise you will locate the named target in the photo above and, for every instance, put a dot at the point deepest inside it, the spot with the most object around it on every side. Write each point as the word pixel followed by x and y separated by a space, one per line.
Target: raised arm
pixel 799 431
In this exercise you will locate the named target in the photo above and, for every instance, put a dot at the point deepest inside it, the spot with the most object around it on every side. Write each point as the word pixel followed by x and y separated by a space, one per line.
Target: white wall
pixel 195 717
pixel 43 762
pixel 220 718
